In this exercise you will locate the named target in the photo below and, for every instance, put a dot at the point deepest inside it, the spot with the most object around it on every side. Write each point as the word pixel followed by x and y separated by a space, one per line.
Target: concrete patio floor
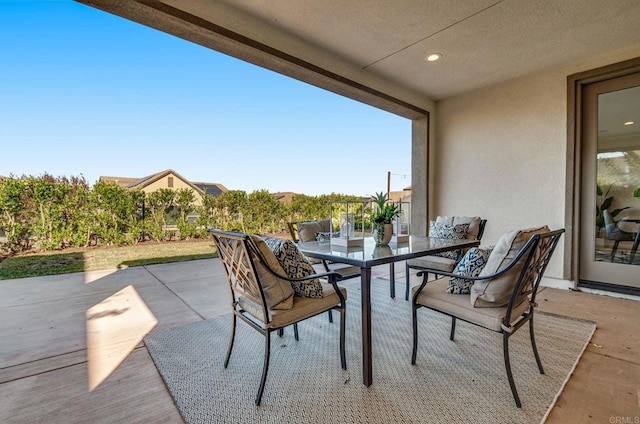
pixel 59 333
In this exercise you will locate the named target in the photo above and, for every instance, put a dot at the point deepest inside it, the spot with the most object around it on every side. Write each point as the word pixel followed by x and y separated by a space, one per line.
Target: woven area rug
pixel 461 381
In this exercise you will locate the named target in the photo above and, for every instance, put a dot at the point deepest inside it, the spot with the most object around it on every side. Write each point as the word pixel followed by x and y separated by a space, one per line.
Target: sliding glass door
pixel 610 182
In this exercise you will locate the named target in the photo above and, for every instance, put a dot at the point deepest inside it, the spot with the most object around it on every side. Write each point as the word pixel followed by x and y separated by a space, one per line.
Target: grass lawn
pixel 99 258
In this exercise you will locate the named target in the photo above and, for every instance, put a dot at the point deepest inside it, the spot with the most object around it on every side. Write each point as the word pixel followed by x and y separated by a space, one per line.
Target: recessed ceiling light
pixel 629 123
pixel 433 57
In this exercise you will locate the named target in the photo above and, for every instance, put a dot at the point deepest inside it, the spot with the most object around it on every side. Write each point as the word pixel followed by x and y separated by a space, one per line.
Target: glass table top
pixel 369 254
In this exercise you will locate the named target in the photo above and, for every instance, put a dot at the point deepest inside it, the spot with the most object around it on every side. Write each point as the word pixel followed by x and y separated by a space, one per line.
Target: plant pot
pixel 382 234
pixel 381 251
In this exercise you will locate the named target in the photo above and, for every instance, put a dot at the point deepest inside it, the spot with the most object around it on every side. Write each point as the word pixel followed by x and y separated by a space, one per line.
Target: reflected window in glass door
pixel 618 177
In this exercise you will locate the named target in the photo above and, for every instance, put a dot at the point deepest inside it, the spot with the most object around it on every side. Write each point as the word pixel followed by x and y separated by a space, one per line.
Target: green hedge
pixel 48 213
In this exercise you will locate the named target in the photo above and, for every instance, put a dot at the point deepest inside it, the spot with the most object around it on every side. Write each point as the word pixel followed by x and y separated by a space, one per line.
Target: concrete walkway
pixel 45 351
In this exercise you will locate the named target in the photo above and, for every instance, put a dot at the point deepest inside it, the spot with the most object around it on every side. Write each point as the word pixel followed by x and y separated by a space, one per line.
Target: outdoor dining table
pixel 370 255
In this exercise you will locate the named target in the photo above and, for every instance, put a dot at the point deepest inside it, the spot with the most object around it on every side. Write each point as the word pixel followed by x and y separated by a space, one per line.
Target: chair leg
pixel 613 251
pixel 265 369
pixel 406 278
pixel 343 356
pixel 295 331
pixel 233 336
pixel 330 316
pixel 634 249
pixel 280 332
pixel 533 345
pixel 507 364
pixel 414 313
pixel 453 328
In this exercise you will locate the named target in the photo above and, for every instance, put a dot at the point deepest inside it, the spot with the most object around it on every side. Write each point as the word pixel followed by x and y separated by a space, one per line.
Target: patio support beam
pixel 169 19
pixel 420 181
pixel 385 96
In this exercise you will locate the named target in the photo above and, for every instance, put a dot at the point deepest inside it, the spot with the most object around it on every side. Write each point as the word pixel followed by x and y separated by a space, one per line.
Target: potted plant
pixel 382 219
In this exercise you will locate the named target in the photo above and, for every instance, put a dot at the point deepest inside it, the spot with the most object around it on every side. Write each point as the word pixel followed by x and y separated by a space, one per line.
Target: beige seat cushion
pixel 435 296
pixel 433 262
pixel 495 292
pixel 473 221
pixel 325 225
pixel 278 292
pixel 307 230
pixel 303 307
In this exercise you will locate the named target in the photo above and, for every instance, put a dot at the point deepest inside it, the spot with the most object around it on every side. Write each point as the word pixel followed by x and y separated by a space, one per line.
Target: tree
pixel 76 212
pixel 160 207
pixel 229 208
pixel 117 213
pixel 47 198
pixel 14 217
pixel 58 212
pixel 206 215
pixel 263 213
pixel 185 204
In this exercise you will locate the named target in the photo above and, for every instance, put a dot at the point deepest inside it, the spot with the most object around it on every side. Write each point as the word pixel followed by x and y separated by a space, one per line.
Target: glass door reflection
pixel 618 177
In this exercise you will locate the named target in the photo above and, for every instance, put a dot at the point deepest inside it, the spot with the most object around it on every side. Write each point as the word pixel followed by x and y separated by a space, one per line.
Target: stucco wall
pixel 500 152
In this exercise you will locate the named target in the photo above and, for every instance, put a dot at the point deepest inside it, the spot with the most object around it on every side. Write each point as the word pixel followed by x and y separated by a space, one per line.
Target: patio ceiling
pixel 374 51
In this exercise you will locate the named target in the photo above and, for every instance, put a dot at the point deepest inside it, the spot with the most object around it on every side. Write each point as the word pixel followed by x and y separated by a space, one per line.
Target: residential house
pixel 403 195
pixel 284 196
pixel 214 189
pixel 168 179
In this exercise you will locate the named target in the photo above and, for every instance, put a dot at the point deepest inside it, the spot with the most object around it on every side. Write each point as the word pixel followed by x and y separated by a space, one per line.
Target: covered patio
pixel 496 132
pixel 46 372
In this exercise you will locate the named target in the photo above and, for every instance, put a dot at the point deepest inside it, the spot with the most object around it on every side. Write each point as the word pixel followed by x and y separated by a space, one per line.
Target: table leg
pixel 392 280
pixel 365 289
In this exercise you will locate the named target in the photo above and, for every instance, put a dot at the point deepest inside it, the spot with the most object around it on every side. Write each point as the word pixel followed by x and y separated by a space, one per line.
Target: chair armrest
pixel 514 261
pixel 332 278
pixel 330 275
pixel 424 270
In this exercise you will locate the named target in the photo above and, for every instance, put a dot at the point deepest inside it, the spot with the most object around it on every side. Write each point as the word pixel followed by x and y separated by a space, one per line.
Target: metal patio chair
pixel 260 293
pixel 440 263
pixel 523 273
pixel 615 234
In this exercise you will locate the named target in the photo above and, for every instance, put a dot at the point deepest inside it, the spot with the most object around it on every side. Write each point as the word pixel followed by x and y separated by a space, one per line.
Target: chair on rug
pixel 615 234
pixel 310 231
pixel 469 227
pixel 267 298
pixel 502 298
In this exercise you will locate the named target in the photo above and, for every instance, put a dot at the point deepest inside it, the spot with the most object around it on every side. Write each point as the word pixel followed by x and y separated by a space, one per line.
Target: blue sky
pixel 88 93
